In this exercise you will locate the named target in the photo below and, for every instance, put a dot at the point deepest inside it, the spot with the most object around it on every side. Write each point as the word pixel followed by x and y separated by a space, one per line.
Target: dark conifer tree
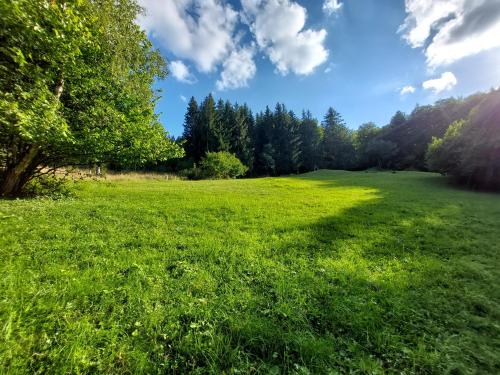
pixel 190 129
pixel 310 137
pixel 208 127
pixel 337 146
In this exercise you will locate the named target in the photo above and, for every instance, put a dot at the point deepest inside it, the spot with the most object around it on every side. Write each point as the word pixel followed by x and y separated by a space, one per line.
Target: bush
pixel 49 186
pixel 220 165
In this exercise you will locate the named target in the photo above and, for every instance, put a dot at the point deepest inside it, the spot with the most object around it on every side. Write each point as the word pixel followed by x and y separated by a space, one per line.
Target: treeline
pixel 277 142
pixel 273 142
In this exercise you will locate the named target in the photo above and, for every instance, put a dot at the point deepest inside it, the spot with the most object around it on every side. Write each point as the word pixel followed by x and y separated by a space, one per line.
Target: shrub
pixel 220 165
pixel 49 186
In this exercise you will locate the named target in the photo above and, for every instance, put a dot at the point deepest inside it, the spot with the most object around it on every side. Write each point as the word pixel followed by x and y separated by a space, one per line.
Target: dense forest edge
pixel 456 137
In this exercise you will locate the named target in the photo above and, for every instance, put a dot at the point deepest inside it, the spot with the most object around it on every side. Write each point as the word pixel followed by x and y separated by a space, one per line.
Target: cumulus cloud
pixel 278 27
pixel 444 83
pixel 198 30
pixel 181 72
pixel 450 30
pixel 237 69
pixel 331 6
pixel 407 90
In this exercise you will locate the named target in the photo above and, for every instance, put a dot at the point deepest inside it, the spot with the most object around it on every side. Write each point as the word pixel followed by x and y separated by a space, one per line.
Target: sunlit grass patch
pixel 328 271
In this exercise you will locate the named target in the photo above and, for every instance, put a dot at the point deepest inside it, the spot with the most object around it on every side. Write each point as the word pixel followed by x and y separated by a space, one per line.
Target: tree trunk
pixel 15 177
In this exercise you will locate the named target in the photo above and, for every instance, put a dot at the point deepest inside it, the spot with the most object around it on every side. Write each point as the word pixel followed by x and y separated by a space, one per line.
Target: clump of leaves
pixel 48 186
pixel 221 165
pixel 217 165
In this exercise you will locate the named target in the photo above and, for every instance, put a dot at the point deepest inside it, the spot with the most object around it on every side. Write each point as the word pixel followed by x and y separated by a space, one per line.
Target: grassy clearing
pixel 322 273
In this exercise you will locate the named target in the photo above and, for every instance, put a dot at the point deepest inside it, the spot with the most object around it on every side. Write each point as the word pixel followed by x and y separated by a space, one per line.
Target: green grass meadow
pixel 323 273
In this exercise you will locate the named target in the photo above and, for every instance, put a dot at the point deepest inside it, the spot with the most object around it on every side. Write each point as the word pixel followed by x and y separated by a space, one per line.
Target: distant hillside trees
pixel 412 133
pixel 277 142
pixel 470 148
pixel 76 88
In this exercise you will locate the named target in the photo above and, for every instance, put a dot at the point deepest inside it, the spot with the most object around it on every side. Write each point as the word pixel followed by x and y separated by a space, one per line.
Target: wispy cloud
pixel 449 30
pixel 444 83
pixel 331 6
pixel 181 72
pixel 407 90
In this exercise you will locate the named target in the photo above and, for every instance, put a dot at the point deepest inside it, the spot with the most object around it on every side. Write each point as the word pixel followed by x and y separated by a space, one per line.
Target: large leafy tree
pixel 470 149
pixel 75 88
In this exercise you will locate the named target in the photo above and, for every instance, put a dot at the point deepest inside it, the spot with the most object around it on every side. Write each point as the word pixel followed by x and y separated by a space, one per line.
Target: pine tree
pixel 190 131
pixel 240 134
pixel 206 128
pixel 337 146
pixel 310 136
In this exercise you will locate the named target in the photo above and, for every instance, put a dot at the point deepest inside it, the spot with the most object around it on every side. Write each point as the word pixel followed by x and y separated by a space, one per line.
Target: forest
pixel 459 137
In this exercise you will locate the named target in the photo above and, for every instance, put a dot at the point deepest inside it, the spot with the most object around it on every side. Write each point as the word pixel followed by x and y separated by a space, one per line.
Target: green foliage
pixel 310 141
pixel 337 144
pixel 412 133
pixel 443 154
pixel 398 119
pixel 220 165
pixel 276 142
pixel 48 186
pixel 363 137
pixel 382 152
pixel 328 272
pixel 75 88
pixel 470 150
pixel 222 127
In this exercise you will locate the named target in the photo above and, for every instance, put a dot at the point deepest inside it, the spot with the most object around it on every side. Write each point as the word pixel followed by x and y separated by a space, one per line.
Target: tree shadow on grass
pixel 384 286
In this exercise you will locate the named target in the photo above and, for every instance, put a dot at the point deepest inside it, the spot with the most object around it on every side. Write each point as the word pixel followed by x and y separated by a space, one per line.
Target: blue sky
pixel 365 58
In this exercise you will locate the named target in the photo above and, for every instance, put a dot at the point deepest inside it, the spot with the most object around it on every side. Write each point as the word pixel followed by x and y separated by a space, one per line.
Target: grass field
pixel 328 272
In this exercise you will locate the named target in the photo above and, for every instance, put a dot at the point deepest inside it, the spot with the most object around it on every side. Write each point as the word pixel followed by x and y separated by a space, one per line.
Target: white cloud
pixel 407 90
pixel 444 83
pixel 183 98
pixel 450 30
pixel 181 72
pixel 331 6
pixel 237 69
pixel 198 30
pixel 278 26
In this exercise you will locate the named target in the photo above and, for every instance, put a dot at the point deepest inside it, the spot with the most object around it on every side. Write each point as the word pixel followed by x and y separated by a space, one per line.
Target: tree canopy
pixel 277 142
pixel 75 88
pixel 470 149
